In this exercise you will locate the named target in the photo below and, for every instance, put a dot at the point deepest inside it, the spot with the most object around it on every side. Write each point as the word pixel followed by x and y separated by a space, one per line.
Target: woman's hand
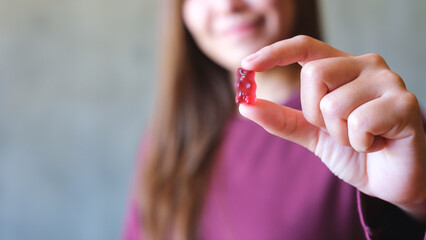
pixel 357 116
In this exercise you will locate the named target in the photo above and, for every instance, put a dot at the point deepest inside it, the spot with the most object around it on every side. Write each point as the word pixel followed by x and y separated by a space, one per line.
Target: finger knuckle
pixel 303 39
pixel 276 45
pixel 314 71
pixel 330 106
pixel 356 122
pixel 390 80
pixel 268 49
pixel 360 146
pixel 375 59
pixel 409 102
pixel 394 78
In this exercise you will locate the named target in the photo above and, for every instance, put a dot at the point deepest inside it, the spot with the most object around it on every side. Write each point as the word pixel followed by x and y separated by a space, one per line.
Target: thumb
pixel 284 122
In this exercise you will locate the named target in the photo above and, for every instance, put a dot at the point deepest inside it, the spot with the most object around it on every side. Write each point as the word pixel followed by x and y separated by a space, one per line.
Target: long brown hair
pixel 194 103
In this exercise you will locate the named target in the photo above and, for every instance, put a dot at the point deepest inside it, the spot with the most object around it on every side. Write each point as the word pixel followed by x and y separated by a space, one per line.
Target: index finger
pixel 300 49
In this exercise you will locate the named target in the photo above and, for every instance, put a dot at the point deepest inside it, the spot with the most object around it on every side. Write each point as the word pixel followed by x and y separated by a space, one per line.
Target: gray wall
pixel 76 81
pixel 393 28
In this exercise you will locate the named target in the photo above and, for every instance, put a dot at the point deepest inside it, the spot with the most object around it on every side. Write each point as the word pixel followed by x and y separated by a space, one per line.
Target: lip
pixel 243 28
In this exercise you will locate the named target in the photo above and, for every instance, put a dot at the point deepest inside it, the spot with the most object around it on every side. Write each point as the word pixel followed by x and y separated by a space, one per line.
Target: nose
pixel 227 6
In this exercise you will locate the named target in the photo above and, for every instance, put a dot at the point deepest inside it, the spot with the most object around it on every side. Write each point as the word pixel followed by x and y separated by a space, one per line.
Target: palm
pixel 380 173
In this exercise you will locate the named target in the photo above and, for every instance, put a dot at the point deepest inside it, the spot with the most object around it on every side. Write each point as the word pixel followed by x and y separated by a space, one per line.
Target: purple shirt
pixel 264 187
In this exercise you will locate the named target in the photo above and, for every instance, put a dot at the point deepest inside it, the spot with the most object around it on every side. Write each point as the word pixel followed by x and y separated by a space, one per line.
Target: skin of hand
pixel 358 118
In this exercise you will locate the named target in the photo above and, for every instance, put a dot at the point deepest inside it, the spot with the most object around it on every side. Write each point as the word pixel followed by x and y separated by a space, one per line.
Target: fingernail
pixel 251 57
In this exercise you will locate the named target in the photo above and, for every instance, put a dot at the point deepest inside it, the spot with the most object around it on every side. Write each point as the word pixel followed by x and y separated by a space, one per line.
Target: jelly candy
pixel 245 86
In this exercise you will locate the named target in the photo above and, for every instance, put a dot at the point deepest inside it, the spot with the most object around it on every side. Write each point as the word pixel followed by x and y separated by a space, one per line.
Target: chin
pixel 234 60
pixel 231 66
pixel 229 56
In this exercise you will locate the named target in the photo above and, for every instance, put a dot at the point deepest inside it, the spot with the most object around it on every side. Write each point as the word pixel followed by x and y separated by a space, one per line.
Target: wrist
pixel 415 209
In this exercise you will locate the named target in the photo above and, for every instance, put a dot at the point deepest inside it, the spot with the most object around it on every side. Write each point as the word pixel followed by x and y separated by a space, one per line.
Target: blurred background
pixel 76 83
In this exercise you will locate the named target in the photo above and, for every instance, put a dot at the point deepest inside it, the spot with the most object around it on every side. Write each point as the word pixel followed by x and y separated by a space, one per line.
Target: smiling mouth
pixel 244 28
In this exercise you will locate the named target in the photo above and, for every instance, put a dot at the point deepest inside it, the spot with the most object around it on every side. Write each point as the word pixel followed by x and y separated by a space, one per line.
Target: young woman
pixel 353 164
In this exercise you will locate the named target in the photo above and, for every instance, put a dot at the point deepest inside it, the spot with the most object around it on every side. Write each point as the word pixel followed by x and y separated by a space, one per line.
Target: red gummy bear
pixel 245 86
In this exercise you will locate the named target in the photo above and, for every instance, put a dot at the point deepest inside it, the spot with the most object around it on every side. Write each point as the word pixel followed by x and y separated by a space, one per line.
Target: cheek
pixel 267 5
pixel 195 16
